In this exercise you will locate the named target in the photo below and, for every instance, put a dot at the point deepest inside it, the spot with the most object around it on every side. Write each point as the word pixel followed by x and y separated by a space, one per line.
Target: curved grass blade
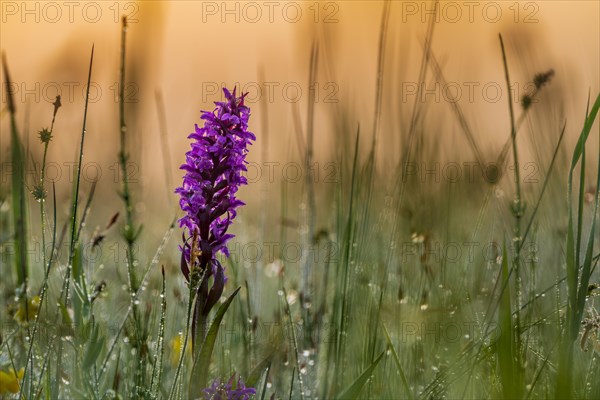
pixel 257 372
pixel 353 392
pixel 397 361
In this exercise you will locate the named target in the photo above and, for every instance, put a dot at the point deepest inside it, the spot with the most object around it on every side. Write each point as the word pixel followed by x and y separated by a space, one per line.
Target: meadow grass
pixel 381 315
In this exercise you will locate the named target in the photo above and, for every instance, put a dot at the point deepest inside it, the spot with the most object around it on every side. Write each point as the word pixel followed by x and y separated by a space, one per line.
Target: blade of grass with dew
pixel 288 312
pixel 159 352
pixel 264 388
pixel 75 199
pixel 292 383
pixel 200 369
pixel 397 361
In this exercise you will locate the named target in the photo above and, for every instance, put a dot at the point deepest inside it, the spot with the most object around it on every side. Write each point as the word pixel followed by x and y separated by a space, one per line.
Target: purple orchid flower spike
pixel 213 175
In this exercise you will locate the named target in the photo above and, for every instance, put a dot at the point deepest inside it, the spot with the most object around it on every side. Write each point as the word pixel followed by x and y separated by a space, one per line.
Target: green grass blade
pixel 397 361
pixel 353 391
pixel 17 186
pixel 199 376
pixel 257 372
pixel 589 122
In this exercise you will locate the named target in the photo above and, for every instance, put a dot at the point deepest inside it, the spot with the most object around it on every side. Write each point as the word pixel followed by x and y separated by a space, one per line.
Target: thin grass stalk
pixel 294 342
pixel 544 185
pixel 518 210
pixel 345 265
pixel 306 284
pixel 42 190
pixel 158 357
pixel 164 140
pixel 183 346
pixel 75 201
pixel 370 167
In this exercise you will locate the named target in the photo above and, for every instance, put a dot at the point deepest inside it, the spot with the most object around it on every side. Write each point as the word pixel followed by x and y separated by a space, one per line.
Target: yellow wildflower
pixel 176 345
pixel 9 381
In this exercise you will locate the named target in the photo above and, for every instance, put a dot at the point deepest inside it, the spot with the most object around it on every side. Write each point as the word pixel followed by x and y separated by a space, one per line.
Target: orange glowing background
pixel 187 49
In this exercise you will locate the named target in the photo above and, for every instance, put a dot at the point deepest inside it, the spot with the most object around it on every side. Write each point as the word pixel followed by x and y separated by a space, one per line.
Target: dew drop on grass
pixel 280 292
pixel 292 297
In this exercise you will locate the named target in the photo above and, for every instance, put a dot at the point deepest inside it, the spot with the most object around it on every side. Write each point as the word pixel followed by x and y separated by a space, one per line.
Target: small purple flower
pixel 213 175
pixel 225 391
